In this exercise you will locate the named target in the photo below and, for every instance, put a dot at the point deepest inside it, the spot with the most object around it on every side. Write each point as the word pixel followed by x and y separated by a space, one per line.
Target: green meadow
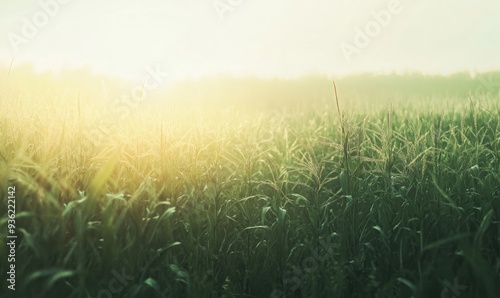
pixel 247 187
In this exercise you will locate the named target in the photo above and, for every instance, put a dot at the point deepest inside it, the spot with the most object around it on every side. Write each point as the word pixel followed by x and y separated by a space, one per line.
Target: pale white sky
pixel 256 37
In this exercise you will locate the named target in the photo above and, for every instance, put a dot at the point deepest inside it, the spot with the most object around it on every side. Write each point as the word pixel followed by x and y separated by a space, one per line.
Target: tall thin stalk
pixel 345 174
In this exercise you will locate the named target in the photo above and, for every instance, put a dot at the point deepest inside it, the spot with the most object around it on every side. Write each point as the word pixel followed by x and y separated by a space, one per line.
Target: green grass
pixel 400 201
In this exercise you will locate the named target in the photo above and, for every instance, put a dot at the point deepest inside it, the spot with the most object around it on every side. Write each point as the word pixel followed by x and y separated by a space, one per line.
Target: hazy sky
pixel 255 37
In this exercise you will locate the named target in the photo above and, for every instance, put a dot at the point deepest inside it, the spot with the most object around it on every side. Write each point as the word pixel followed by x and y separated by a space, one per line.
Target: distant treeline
pixel 354 87
pixel 263 91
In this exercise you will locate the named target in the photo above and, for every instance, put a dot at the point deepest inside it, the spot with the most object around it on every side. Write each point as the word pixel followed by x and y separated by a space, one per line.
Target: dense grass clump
pixel 225 202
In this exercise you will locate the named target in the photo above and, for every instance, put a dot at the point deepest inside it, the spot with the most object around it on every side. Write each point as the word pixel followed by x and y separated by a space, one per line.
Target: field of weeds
pixel 303 199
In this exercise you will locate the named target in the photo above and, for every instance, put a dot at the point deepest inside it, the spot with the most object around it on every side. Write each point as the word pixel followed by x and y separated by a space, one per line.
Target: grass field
pixel 382 196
